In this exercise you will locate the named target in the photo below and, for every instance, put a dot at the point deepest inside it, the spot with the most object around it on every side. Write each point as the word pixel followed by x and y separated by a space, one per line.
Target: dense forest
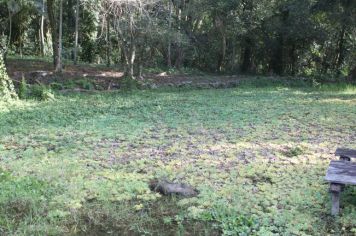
pixel 279 37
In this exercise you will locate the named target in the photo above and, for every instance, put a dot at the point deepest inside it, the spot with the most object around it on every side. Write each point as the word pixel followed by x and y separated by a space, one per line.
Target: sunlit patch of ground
pixel 257 157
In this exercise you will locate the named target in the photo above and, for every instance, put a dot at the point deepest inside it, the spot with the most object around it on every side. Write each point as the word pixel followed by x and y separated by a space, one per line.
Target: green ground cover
pixel 81 164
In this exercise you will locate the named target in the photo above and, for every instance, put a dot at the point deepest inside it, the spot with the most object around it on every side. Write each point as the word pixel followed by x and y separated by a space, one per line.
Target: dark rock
pixel 168 188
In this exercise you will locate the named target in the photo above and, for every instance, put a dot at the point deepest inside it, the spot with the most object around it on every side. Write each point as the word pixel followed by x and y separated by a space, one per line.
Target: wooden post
pixel 335 190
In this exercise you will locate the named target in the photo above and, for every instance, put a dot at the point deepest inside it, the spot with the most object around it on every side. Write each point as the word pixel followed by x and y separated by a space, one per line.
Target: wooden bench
pixel 341 173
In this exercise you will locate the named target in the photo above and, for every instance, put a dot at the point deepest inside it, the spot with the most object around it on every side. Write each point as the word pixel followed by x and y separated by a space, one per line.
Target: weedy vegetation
pixel 80 164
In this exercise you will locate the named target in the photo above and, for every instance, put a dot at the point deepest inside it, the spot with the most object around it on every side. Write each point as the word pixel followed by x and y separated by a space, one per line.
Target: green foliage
pixel 56 86
pixel 294 152
pixel 36 91
pixel 82 83
pixel 85 84
pixel 230 220
pixel 41 92
pixel 87 165
pixel 128 84
pixel 7 90
pixel 22 200
pixel 23 89
pixel 292 37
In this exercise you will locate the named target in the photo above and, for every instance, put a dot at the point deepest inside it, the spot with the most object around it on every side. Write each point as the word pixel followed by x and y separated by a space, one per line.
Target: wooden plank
pixel 344 152
pixel 341 172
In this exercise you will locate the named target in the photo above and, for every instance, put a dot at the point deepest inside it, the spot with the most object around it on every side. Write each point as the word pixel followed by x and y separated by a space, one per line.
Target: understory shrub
pixel 128 83
pixel 41 92
pixel 23 89
pixel 85 84
pixel 37 91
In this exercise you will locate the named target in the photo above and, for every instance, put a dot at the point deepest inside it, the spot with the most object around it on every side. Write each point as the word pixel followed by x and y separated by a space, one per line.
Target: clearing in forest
pixel 82 163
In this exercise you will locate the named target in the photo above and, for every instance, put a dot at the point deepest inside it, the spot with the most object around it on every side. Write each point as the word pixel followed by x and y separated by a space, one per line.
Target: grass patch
pixel 82 162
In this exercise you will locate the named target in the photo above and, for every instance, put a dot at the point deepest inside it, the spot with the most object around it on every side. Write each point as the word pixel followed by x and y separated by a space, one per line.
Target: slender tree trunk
pixel 76 33
pixel 59 61
pixel 352 74
pixel 220 27
pixel 140 71
pixel 169 57
pixel 132 53
pixel 132 62
pixel 232 61
pixel 247 40
pixel 21 44
pixel 223 51
pixel 294 59
pixel 42 38
pixel 108 46
pixel 54 32
pixel 179 57
pixel 247 56
pixel 277 60
pixel 10 29
pixel 340 54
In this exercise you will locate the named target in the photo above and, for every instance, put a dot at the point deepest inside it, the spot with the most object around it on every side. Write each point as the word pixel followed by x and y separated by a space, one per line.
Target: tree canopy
pixel 283 37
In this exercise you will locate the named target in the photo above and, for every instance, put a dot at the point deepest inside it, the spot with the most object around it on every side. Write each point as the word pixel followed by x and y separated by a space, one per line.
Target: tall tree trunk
pixel 54 32
pixel 132 62
pixel 76 33
pixel 59 61
pixel 340 53
pixel 247 56
pixel 248 7
pixel 132 52
pixel 220 27
pixel 179 58
pixel 277 64
pixel 21 43
pixel 42 38
pixel 294 59
pixel 352 74
pixel 10 29
pixel 108 44
pixel 223 51
pixel 169 54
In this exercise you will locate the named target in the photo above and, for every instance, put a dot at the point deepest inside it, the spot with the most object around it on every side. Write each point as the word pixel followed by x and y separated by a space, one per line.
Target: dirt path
pixel 35 71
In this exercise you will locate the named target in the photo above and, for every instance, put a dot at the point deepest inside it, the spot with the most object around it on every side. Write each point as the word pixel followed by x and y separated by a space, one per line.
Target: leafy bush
pixel 230 221
pixel 72 84
pixel 47 95
pixel 85 84
pixel 41 92
pixel 128 84
pixel 23 89
pixel 56 86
